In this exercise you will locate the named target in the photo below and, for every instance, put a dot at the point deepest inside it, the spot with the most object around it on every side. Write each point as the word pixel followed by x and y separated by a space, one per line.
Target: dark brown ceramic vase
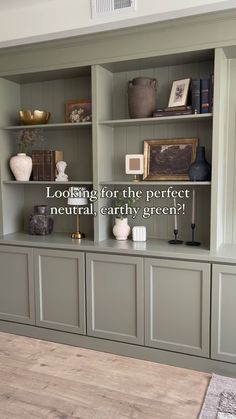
pixel 142 97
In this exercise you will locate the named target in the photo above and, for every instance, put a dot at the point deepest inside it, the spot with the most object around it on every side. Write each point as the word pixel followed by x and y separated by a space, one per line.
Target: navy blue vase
pixel 200 169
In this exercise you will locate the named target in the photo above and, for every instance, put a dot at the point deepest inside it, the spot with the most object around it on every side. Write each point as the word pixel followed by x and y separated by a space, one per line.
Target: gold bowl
pixel 34 117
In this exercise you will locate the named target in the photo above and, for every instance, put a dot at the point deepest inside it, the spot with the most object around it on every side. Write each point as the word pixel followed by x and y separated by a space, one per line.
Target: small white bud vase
pixel 21 166
pixel 121 229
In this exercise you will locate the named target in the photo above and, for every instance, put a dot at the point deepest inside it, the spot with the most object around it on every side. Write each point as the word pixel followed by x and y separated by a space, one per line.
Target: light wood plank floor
pixel 46 380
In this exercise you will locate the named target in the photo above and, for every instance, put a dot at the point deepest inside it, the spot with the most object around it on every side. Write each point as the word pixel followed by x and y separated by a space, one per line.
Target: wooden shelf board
pixel 34 182
pixel 150 183
pixel 63 125
pixel 154 121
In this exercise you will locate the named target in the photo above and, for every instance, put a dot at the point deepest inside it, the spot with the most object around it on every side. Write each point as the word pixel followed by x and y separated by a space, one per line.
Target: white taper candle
pixel 193 206
pixel 176 222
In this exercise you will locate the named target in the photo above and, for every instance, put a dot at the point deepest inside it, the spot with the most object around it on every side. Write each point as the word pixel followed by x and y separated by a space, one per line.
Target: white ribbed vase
pixel 21 166
pixel 121 229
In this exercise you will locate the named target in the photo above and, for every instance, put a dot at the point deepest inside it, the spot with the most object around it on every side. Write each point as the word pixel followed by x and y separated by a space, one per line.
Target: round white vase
pixel 121 229
pixel 21 166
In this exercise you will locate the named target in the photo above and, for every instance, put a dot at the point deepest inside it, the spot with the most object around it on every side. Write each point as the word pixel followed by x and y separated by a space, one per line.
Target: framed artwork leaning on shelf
pixel 78 111
pixel 169 159
pixel 179 93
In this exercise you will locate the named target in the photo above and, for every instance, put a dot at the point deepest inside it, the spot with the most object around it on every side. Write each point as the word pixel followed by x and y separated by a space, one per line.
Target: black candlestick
pixel 175 241
pixel 193 242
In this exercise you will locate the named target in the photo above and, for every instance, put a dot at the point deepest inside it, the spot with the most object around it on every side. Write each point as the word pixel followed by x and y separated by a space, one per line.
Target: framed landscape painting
pixel 169 159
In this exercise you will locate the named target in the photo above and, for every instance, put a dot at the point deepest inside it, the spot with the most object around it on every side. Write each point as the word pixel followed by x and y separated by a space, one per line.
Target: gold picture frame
pixel 169 159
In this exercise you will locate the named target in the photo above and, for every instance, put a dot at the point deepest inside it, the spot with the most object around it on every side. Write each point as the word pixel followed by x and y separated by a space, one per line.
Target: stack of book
pixel 202 95
pixel 200 100
pixel 44 164
pixel 173 111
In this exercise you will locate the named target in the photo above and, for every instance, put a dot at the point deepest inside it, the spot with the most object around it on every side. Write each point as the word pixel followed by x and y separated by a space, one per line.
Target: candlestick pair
pixel 193 225
pixel 189 243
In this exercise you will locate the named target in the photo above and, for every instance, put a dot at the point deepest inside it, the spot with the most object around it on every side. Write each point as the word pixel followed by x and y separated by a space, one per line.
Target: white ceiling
pixel 29 21
pixel 19 4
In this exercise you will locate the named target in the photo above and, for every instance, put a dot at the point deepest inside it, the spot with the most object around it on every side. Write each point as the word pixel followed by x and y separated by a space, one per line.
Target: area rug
pixel 220 401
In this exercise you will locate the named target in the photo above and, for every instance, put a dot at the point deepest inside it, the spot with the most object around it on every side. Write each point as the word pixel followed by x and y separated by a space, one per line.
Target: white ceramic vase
pixel 21 166
pixel 121 229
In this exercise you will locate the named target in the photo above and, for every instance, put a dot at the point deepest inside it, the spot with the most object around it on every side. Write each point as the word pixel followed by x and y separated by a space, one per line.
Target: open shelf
pixel 63 125
pixel 34 182
pixel 163 182
pixel 159 120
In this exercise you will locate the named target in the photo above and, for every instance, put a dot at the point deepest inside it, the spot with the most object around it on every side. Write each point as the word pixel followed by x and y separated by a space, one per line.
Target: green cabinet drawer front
pixel 60 290
pixel 16 285
pixel 177 310
pixel 115 297
pixel 223 338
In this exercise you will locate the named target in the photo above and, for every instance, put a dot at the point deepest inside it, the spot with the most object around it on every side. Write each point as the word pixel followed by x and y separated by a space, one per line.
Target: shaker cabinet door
pixel 177 306
pixel 223 336
pixel 60 290
pixel 115 306
pixel 16 285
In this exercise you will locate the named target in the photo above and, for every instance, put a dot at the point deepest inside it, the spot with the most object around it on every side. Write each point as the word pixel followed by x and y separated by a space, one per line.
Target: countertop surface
pixel 150 248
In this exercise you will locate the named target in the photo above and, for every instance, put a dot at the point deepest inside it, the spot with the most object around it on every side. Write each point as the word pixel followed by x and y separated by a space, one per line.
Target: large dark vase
pixel 200 169
pixel 41 222
pixel 142 97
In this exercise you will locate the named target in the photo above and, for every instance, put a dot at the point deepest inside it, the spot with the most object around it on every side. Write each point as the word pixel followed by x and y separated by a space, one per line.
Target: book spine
pixel 195 95
pixel 48 172
pixel 37 163
pixel 205 95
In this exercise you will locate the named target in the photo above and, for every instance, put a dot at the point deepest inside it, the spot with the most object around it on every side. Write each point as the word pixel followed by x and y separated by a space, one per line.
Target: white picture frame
pixel 179 93
pixel 134 164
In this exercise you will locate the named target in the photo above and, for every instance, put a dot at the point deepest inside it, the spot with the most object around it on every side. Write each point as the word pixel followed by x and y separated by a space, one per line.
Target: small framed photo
pixel 169 159
pixel 134 164
pixel 179 93
pixel 78 111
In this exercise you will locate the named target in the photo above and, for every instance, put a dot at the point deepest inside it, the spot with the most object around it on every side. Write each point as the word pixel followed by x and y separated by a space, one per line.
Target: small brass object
pixel 34 117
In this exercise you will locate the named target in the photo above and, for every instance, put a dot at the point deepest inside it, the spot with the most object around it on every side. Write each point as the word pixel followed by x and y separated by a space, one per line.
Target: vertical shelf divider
pixel 219 146
pixel 103 153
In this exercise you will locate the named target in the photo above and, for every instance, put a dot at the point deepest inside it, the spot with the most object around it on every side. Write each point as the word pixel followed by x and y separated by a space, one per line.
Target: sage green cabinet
pixel 17 285
pixel 177 306
pixel 115 306
pixel 223 338
pixel 60 290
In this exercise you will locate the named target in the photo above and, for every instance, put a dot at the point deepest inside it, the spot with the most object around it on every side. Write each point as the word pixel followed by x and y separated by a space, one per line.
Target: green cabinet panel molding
pixel 115 303
pixel 17 285
pixel 60 290
pixel 223 341
pixel 177 306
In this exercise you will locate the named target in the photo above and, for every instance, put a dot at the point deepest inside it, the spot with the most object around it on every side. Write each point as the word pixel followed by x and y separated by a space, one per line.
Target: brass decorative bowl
pixel 34 117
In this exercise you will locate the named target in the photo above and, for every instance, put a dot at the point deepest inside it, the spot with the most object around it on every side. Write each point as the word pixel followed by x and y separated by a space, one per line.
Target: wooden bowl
pixel 34 117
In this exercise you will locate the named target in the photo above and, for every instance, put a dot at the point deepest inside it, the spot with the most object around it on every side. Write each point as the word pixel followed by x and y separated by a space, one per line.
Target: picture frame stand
pixel 193 242
pixel 176 241
pixel 136 178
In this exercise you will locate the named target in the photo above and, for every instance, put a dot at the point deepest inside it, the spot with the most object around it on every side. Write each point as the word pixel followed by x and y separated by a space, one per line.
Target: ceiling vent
pixel 102 8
